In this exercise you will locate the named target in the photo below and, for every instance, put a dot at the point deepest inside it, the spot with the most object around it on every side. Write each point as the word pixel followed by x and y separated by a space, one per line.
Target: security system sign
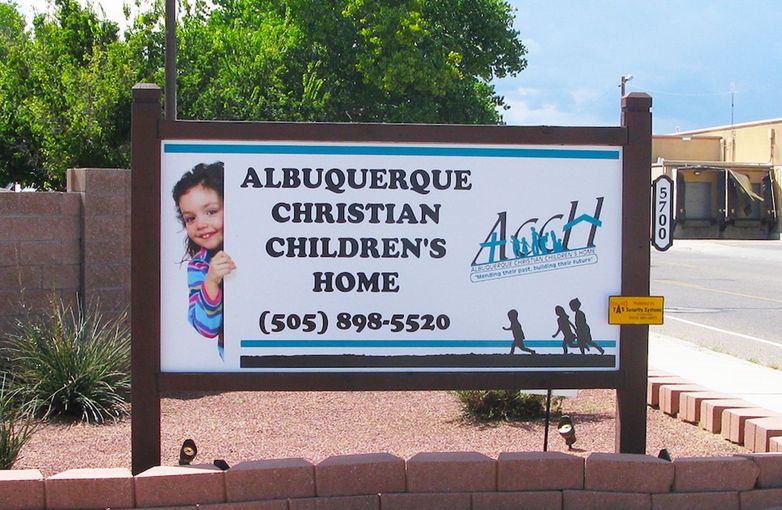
pixel 636 310
pixel 380 257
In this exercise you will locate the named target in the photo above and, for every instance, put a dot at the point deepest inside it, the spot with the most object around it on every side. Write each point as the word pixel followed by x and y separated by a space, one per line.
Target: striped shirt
pixel 203 313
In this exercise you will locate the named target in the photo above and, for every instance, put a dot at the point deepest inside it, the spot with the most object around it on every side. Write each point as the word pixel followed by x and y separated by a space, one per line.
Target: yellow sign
pixel 635 309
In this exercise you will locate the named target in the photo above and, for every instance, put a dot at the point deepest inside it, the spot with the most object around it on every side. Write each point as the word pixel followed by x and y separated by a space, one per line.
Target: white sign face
pixel 662 215
pixel 379 257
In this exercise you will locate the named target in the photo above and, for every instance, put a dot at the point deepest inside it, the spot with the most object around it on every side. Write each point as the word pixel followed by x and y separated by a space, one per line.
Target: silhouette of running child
pixel 518 333
pixel 583 332
pixel 566 328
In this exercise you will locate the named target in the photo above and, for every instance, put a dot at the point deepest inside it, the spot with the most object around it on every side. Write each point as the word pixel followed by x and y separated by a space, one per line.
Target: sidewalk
pixel 754 383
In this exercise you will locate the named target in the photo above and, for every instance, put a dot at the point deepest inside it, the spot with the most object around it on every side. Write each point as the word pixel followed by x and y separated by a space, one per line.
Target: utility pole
pixel 170 59
pixel 622 81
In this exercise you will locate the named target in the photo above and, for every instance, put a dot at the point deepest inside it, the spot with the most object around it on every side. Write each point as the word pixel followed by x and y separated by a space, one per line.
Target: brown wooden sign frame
pixel 149 383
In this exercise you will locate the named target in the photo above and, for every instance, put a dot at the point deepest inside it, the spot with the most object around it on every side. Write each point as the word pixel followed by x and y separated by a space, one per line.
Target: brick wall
pixel 66 245
pixel 446 480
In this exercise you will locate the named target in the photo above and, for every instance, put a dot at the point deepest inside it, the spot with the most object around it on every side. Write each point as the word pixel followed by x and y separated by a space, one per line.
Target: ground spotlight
pixel 567 430
pixel 664 455
pixel 188 452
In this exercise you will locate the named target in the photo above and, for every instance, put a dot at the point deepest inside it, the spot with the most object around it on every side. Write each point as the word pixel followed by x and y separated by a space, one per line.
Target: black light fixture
pixel 664 455
pixel 188 452
pixel 567 430
pixel 221 464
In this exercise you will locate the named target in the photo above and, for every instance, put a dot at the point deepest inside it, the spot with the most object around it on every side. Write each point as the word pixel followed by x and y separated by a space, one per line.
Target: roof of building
pixel 755 123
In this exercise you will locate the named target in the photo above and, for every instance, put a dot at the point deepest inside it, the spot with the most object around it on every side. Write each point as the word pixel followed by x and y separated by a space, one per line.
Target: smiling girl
pixel 199 200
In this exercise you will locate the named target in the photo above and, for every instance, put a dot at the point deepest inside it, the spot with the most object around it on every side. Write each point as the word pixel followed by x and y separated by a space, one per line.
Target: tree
pixel 347 60
pixel 65 86
pixel 65 92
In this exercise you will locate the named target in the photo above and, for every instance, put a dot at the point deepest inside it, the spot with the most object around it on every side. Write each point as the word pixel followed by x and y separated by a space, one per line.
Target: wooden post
pixel 145 277
pixel 636 200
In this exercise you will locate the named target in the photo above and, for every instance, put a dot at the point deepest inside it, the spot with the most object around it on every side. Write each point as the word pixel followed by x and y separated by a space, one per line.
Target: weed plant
pixel 16 425
pixel 505 405
pixel 72 364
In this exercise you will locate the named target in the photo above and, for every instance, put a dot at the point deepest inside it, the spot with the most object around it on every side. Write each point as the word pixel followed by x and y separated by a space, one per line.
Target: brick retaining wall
pixel 449 481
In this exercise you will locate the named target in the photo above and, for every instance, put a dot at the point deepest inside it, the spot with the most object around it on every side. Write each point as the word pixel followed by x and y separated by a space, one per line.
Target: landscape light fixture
pixel 187 453
pixel 664 455
pixel 567 430
pixel 622 81
pixel 221 464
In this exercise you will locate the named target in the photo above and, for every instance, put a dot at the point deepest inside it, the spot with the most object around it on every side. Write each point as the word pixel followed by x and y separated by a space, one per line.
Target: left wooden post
pixel 145 277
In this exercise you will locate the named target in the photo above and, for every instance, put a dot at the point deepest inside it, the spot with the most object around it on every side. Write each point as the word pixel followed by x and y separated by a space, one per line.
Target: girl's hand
pixel 220 265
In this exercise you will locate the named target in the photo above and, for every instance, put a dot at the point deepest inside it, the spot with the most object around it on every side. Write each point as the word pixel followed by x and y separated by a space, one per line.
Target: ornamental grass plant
pixel 16 425
pixel 504 405
pixel 71 364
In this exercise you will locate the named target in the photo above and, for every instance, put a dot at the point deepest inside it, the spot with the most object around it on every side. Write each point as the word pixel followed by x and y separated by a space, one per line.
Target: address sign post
pixel 387 257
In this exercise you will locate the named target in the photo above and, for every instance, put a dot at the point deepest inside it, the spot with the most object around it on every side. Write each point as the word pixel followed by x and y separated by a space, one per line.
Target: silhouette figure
pixel 556 242
pixel 524 246
pixel 543 242
pixel 566 328
pixel 535 241
pixel 583 332
pixel 516 246
pixel 518 333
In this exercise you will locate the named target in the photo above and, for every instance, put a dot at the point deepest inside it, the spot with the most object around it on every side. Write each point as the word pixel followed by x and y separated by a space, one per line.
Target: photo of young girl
pixel 198 196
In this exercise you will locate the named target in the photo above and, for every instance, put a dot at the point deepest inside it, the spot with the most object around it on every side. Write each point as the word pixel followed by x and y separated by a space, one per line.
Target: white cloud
pixel 583 96
pixel 534 113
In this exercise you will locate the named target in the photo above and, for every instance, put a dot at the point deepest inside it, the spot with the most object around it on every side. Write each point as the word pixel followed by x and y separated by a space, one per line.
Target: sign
pixel 635 310
pixel 662 213
pixel 407 250
pixel 386 257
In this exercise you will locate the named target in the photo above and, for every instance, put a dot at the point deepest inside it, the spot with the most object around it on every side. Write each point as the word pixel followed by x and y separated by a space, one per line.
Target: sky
pixel 694 57
pixel 688 55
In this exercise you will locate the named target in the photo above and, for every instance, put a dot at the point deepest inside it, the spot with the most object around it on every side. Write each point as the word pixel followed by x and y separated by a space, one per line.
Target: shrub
pixel 505 405
pixel 16 425
pixel 72 364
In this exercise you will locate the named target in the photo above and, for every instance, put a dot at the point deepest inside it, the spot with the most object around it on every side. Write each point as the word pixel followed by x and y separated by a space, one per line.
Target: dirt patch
pixel 245 426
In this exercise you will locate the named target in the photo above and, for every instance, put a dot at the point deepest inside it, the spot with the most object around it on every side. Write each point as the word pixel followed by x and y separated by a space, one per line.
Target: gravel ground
pixel 252 426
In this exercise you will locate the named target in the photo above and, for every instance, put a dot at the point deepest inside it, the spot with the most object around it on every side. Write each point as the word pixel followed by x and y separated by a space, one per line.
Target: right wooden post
pixel 636 200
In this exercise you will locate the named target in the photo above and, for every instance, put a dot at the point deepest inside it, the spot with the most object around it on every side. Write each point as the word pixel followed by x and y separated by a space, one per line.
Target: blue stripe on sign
pixel 390 150
pixel 486 344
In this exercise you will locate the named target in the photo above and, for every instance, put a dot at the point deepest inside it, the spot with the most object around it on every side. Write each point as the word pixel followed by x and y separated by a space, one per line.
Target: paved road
pixel 725 295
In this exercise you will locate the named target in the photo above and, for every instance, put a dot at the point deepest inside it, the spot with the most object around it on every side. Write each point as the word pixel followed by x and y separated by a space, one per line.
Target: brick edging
pixel 458 480
pixel 741 422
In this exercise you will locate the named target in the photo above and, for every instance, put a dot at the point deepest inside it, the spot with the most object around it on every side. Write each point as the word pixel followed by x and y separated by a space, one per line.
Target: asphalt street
pixel 724 295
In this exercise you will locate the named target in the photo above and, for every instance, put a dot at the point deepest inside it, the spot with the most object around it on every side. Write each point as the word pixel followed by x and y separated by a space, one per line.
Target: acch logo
pixel 538 245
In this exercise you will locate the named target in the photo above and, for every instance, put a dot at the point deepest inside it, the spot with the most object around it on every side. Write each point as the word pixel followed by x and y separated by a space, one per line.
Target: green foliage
pixel 65 85
pixel 505 405
pixel 16 425
pixel 412 60
pixel 65 94
pixel 72 364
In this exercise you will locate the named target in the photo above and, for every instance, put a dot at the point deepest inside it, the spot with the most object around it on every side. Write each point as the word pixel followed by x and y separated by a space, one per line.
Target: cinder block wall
pixel 40 251
pixel 105 240
pixel 445 480
pixel 72 245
